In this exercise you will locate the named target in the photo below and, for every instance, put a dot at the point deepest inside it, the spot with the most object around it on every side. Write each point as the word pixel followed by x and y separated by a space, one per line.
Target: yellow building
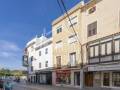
pixel 101 31
pixel 66 47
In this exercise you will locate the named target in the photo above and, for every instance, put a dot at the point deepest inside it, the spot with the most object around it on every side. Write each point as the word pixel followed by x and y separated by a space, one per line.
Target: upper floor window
pixel 58 60
pixel 40 53
pixel 94 51
pixel 31 68
pixel 117 46
pixel 39 65
pixel 92 29
pixel 73 59
pixel 92 10
pixel 59 29
pixel 72 39
pixel 46 51
pixel 106 48
pixel 31 58
pixel 59 44
pixel 73 21
pixel 46 64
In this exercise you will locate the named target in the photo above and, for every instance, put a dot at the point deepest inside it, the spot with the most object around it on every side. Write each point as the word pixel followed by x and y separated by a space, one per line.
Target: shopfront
pixel 105 75
pixel 63 77
pixel 44 77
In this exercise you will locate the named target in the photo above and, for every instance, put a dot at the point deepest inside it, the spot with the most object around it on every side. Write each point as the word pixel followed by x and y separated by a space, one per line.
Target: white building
pixel 40 64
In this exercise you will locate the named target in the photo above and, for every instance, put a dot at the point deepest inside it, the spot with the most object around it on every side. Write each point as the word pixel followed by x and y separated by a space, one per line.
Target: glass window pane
pixel 109 48
pixel 106 79
pixel 103 49
pixel 116 79
pixel 117 45
pixel 96 50
pixel 91 51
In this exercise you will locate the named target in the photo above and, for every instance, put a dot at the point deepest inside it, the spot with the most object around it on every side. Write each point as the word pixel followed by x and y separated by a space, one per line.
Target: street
pixel 40 87
pixel 46 87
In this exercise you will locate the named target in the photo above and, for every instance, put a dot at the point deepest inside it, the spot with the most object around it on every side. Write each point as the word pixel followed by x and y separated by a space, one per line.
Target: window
pixel 72 39
pixel 106 79
pixel 117 46
pixel 59 29
pixel 103 49
pixel 106 48
pixel 31 58
pixel 39 65
pixel 96 48
pixel 92 10
pixel 58 60
pixel 116 79
pixel 92 29
pixel 59 44
pixel 94 51
pixel 109 48
pixel 73 59
pixel 31 68
pixel 74 21
pixel 46 64
pixel 39 53
pixel 46 51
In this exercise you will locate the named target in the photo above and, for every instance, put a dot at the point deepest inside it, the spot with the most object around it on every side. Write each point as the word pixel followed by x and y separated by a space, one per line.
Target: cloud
pixel 10 54
pixel 8 46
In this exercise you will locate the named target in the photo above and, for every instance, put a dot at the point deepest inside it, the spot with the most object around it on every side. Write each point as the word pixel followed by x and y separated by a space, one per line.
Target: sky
pixel 22 20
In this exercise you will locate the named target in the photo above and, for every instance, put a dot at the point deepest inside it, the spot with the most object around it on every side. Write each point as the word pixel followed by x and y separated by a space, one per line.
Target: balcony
pixel 104 50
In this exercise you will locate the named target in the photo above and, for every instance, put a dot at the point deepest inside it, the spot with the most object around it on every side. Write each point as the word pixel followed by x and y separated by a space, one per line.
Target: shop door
pixel 89 79
pixel 77 78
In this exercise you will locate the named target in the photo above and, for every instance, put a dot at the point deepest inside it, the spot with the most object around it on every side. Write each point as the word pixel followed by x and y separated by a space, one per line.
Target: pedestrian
pixel 8 86
pixel 1 84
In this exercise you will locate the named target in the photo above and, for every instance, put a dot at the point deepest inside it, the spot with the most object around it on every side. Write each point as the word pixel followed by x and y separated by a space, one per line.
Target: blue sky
pixel 20 21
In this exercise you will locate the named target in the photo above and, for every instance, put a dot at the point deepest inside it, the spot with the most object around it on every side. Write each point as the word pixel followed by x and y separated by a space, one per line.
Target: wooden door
pixel 89 79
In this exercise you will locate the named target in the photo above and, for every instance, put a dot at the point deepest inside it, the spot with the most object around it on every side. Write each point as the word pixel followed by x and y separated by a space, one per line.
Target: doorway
pixel 77 78
pixel 89 79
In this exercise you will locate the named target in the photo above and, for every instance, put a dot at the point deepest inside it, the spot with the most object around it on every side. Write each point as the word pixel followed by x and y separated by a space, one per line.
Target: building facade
pixel 40 63
pixel 66 48
pixel 101 33
pixel 88 40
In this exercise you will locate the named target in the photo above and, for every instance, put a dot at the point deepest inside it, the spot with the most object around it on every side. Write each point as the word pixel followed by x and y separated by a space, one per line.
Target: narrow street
pixel 40 87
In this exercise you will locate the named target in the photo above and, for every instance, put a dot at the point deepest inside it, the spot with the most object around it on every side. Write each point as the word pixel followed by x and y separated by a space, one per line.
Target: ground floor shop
pixel 103 76
pixel 67 77
pixel 41 78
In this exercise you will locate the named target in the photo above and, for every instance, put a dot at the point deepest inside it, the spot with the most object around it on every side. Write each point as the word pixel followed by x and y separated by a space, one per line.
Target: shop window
pixel 63 77
pixel 106 79
pixel 92 29
pixel 116 79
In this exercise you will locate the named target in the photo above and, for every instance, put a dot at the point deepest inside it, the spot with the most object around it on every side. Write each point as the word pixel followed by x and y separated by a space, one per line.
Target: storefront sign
pixel 104 67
